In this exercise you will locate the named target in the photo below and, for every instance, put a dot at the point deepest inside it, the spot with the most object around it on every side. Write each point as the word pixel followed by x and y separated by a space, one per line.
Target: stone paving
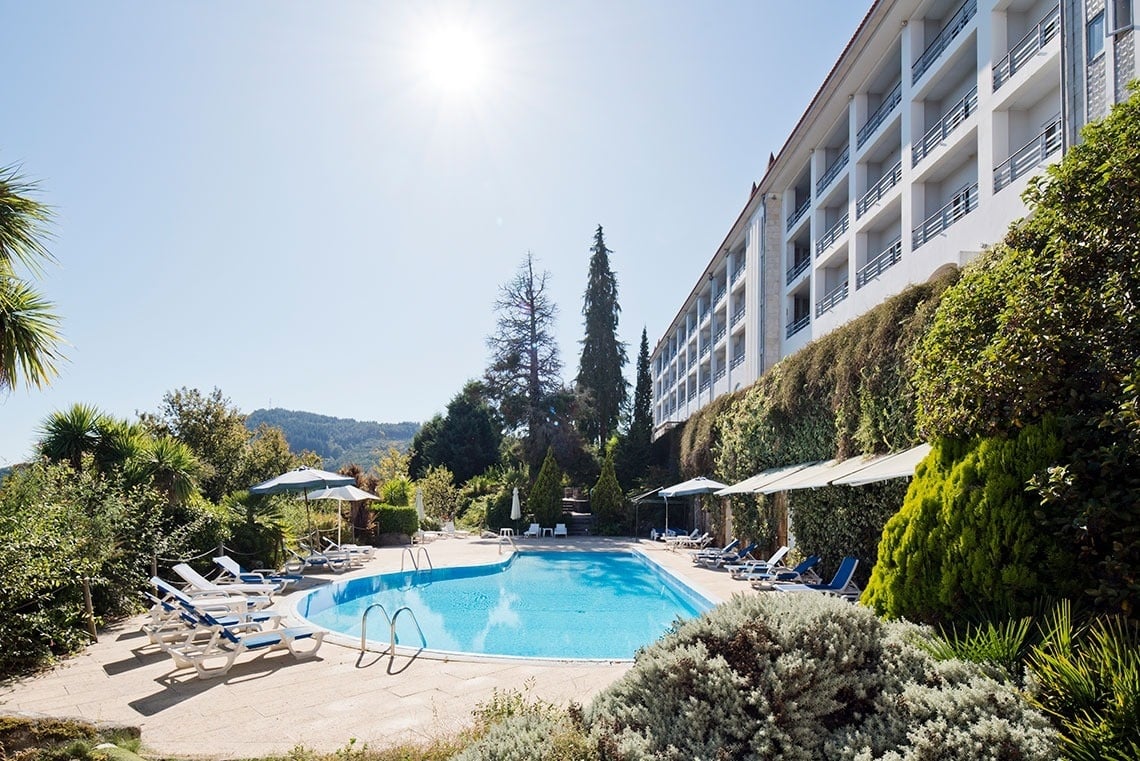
pixel 271 703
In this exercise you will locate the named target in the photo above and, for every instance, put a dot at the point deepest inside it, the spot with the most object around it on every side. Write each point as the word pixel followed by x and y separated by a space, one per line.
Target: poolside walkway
pixel 270 704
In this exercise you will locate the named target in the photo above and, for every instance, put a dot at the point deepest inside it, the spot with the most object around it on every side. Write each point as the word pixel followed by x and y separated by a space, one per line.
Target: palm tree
pixel 118 443
pixel 170 466
pixel 71 434
pixel 29 329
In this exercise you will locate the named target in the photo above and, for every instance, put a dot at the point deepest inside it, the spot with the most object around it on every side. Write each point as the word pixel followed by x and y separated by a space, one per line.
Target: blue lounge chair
pixel 759 566
pixel 166 623
pixel 841 585
pixel 763 579
pixel 229 599
pixel 697 555
pixel 233 573
pixel 727 557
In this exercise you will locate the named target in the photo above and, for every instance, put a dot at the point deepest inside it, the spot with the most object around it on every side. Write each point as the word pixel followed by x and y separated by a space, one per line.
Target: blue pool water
pixel 579 605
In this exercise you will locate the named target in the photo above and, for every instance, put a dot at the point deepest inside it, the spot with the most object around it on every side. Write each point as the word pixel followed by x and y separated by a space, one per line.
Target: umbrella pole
pixel 666 516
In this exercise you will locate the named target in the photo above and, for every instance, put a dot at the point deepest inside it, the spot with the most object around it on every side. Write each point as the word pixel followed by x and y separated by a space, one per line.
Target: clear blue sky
pixel 308 206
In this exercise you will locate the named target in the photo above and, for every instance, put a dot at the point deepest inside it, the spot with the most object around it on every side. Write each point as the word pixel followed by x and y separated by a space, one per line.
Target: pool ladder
pixel 508 539
pixel 420 550
pixel 391 627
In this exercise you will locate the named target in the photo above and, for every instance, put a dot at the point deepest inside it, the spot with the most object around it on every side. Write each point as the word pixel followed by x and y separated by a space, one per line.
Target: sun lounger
pixel 201 583
pixel 697 555
pixel 365 551
pixel 227 598
pixel 716 561
pixel 757 566
pixel 317 560
pixel 165 622
pixel 233 573
pixel 763 579
pixel 841 585
pixel 226 643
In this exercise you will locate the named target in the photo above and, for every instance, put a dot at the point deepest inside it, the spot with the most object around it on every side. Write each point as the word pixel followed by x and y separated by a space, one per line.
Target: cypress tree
pixel 633 455
pixel 545 498
pixel 603 355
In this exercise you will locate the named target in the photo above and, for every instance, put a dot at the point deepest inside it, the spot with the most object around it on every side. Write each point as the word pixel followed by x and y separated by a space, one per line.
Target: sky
pixel 314 205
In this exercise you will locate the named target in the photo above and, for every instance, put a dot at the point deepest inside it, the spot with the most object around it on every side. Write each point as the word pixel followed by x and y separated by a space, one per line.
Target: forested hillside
pixel 338 440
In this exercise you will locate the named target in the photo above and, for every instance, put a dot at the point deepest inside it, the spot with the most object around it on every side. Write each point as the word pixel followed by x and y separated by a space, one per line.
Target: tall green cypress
pixel 600 369
pixel 634 449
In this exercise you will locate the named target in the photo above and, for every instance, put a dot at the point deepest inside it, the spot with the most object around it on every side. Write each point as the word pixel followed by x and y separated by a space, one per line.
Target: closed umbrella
pixel 348 493
pixel 302 480
pixel 420 504
pixel 516 506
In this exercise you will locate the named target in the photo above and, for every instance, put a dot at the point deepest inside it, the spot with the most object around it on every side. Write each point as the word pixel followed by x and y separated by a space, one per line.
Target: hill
pixel 339 441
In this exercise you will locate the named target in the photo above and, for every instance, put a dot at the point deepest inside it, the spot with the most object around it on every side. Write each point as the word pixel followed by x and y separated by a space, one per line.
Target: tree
pixel 70 435
pixel 525 366
pixel 600 369
pixel 545 498
pixel 29 328
pixel 607 502
pixel 636 447
pixel 169 465
pixel 213 429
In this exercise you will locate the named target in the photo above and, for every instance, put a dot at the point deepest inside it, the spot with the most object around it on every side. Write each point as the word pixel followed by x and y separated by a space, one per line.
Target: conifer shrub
pixel 607 502
pixel 806 677
pixel 967 543
pixel 545 499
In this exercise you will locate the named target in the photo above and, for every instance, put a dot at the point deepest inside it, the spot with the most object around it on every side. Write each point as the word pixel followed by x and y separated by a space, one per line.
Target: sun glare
pixel 455 59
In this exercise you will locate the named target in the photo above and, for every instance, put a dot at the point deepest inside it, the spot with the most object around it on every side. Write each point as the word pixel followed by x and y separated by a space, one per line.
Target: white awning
pixel 897 465
pixel 752 484
pixel 823 474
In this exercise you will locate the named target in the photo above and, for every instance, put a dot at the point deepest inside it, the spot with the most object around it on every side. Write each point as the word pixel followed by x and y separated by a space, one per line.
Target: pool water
pixel 576 605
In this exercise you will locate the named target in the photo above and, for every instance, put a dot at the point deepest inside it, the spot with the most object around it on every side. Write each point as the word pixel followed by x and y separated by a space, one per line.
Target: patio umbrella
pixel 347 493
pixel 302 480
pixel 698 485
pixel 420 504
pixel 516 506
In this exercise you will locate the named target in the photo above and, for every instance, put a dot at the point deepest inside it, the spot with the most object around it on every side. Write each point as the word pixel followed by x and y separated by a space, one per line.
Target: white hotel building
pixel 911 157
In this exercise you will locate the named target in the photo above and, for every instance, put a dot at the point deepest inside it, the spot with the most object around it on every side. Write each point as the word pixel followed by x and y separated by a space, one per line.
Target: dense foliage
pixel 391 519
pixel 545 498
pixel 635 447
pixel 967 544
pixel 466 440
pixel 793 677
pixel 607 502
pixel 338 441
pixel 602 362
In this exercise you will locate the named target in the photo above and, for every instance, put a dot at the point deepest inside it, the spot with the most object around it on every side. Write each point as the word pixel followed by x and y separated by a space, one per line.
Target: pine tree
pixel 606 498
pixel 545 498
pixel 633 455
pixel 603 355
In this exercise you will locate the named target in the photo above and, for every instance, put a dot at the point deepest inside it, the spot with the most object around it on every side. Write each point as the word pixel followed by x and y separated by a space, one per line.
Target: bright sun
pixel 454 59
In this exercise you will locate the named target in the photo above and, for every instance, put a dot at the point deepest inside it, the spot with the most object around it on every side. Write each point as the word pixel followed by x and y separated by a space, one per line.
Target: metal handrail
pixel 888 257
pixel 799 325
pixel 879 189
pixel 831 235
pixel 391 626
pixel 950 120
pixel 798 267
pixel 890 102
pixel 960 204
pixel 739 313
pixel 511 539
pixel 831 298
pixel 1028 156
pixel 737 360
pixel 415 557
pixel 953 27
pixel 798 212
pixel 1028 46
pixel 833 171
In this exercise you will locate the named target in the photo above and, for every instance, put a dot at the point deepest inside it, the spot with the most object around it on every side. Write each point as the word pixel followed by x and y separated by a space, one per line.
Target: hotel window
pixel 1094 36
pixel 1121 16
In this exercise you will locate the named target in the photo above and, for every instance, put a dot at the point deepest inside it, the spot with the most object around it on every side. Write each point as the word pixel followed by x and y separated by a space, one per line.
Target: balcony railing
pixel 888 257
pixel 879 189
pixel 799 325
pixel 798 268
pixel 706 349
pixel 738 273
pixel 889 104
pixel 799 212
pixel 1028 47
pixel 831 298
pixel 720 334
pixel 692 393
pixel 738 314
pixel 831 235
pixel 1029 156
pixel 953 28
pixel 719 296
pixel 833 171
pixel 963 202
pixel 957 114
pixel 737 361
pixel 719 373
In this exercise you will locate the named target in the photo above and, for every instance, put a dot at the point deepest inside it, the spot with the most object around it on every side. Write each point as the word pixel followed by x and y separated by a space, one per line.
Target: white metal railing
pixel 831 235
pixel 1028 47
pixel 962 203
pixel 879 189
pixel 957 114
pixel 798 268
pixel 890 102
pixel 799 325
pixel 833 171
pixel 888 257
pixel 953 28
pixel 1029 156
pixel 391 627
pixel 831 298
pixel 798 212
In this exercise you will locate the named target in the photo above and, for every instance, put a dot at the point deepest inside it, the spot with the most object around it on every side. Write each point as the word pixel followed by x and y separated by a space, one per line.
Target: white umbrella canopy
pixel 698 485
pixel 516 505
pixel 347 493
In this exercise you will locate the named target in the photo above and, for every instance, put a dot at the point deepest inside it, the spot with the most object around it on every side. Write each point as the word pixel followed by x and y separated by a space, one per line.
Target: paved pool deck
pixel 270 704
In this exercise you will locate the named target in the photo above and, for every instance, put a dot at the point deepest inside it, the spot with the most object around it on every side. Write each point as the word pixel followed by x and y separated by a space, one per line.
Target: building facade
pixel 911 158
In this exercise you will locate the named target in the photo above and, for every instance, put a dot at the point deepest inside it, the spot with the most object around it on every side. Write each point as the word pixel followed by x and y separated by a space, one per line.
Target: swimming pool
pixel 565 605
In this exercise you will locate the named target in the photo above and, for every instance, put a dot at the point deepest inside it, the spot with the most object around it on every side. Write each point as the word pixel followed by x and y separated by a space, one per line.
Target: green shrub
pixel 797 677
pixel 545 499
pixel 512 727
pixel 607 502
pixel 391 519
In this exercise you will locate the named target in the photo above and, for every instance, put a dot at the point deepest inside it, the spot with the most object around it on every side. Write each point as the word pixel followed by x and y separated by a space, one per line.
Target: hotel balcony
pixel 831 298
pixel 833 171
pixel 798 325
pixel 934 136
pixel 798 213
pixel 1029 157
pixel 878 190
pixel 890 102
pixel 937 47
pixel 888 257
pixel 1028 47
pixel 798 269
pixel 963 202
pixel 833 233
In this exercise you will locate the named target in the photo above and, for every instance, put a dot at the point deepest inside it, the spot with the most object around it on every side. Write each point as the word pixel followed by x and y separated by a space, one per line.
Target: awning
pixel 897 465
pixel 751 485
pixel 822 474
